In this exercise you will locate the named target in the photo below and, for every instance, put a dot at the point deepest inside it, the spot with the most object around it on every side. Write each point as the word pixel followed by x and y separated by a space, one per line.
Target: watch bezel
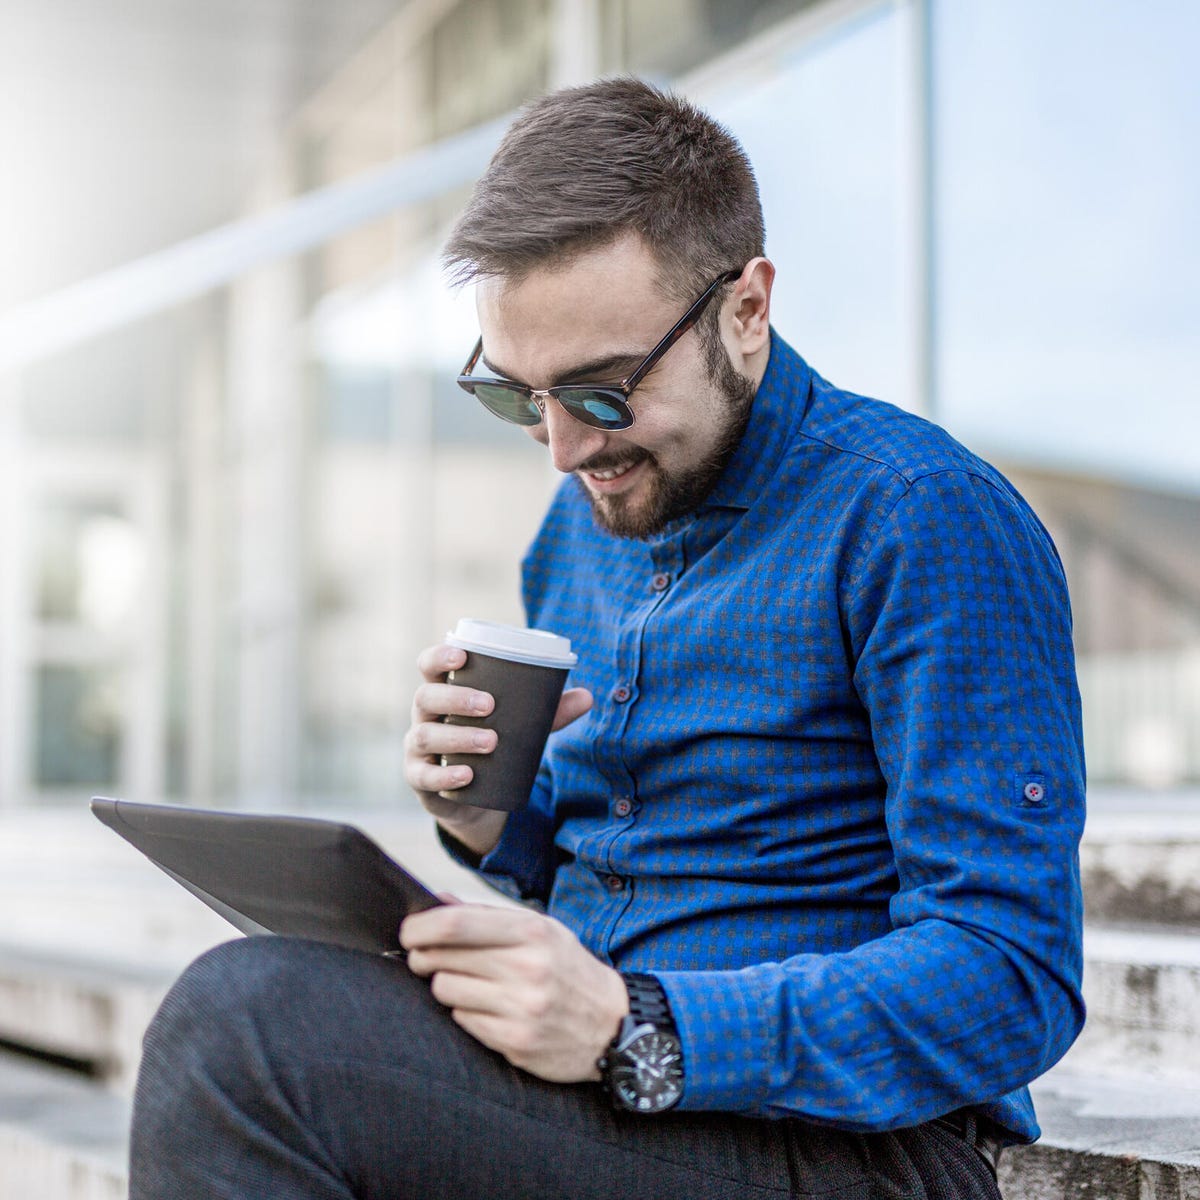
pixel 628 1057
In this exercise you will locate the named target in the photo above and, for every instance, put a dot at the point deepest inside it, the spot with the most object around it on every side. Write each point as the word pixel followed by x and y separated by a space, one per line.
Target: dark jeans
pixel 284 1068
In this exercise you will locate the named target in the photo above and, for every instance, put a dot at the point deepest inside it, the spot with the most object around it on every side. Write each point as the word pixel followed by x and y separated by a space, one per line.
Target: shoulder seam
pixel 866 547
pixel 909 477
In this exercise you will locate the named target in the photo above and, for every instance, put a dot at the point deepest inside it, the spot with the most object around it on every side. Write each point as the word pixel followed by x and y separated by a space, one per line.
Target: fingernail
pixel 461 775
pixel 481 741
pixel 478 704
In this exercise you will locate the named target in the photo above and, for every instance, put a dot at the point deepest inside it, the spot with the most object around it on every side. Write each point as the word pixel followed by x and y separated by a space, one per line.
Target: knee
pixel 227 1003
pixel 201 999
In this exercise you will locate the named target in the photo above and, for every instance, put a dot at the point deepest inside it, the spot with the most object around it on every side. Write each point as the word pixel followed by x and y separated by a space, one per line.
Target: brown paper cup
pixel 525 671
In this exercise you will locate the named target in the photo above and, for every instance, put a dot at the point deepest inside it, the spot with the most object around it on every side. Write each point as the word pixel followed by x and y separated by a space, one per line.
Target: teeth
pixel 613 473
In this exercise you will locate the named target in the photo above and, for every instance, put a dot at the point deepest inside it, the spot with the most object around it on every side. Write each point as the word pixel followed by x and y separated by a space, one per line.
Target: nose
pixel 570 442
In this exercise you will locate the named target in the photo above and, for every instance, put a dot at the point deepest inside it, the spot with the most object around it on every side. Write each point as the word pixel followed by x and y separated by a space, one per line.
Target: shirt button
pixel 661 581
pixel 621 694
pixel 1034 793
pixel 614 883
pixel 623 807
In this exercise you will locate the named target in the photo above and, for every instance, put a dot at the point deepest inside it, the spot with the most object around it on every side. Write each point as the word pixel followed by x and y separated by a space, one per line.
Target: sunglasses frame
pixel 618 393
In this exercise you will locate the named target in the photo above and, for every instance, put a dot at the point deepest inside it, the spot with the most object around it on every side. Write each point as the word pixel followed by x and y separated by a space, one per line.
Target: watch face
pixel 647 1074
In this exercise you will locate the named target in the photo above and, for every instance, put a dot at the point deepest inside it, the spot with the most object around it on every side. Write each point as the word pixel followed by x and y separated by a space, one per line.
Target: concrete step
pixel 1107 1137
pixel 1142 989
pixel 61 1137
pixel 90 1010
pixel 1140 867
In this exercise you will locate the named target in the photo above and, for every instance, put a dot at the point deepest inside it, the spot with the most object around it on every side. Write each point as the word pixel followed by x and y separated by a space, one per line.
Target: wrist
pixel 643 1065
pixel 478 832
pixel 613 1000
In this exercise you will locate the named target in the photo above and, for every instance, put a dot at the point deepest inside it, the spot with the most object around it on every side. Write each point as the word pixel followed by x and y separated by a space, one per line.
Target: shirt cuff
pixel 726 1050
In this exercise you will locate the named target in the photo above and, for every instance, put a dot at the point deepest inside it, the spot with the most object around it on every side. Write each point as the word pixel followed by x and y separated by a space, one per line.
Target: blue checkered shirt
pixel 832 787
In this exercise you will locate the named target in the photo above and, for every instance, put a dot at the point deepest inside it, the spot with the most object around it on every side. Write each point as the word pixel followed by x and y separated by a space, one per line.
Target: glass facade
pixel 834 195
pixel 1069 252
pixel 240 519
pixel 79 718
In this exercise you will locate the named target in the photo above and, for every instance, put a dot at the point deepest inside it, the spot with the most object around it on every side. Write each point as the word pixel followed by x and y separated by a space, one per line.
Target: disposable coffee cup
pixel 525 670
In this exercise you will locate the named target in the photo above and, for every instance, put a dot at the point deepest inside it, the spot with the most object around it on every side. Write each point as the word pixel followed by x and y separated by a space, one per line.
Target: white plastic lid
pixel 533 646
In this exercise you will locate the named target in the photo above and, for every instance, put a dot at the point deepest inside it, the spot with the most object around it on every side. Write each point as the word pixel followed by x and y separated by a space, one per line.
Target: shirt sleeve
pixel 958 625
pixel 521 865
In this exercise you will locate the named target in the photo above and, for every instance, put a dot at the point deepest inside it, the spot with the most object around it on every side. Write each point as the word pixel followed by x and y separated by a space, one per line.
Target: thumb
pixel 574 703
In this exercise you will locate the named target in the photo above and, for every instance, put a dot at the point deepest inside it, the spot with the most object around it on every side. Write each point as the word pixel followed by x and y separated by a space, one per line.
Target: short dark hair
pixel 583 166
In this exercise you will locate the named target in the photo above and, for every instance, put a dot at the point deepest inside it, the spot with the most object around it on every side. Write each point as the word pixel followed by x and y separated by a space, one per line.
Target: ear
pixel 751 318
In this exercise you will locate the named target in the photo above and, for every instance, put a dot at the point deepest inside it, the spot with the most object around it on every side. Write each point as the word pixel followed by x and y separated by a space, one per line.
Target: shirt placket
pixel 613 749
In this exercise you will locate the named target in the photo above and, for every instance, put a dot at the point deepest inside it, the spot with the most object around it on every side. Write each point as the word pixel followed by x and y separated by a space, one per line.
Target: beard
pixel 670 495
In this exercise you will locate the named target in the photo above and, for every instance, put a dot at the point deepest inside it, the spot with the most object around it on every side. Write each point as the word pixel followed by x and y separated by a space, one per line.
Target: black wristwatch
pixel 643 1067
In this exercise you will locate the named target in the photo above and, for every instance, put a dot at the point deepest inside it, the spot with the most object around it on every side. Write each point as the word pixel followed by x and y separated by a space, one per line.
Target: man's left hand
pixel 521 983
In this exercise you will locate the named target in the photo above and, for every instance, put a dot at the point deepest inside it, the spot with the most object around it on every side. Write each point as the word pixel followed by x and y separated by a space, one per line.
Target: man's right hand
pixel 429 737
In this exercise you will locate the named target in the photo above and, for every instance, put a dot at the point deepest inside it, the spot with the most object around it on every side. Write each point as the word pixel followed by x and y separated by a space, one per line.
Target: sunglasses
pixel 602 406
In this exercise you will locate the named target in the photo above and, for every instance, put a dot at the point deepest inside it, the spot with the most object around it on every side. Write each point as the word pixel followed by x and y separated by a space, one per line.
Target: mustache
pixel 611 462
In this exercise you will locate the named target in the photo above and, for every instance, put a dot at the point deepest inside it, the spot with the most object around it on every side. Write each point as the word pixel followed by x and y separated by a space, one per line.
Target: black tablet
pixel 277 874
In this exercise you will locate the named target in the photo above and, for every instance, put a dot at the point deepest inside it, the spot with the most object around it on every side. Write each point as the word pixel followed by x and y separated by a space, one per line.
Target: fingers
pixel 430 737
pixel 521 983
pixel 434 662
pixel 473 926
pixel 460 963
pixel 436 700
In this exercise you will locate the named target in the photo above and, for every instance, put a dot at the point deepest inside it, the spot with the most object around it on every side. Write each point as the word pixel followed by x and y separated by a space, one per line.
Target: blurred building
pixel 239 490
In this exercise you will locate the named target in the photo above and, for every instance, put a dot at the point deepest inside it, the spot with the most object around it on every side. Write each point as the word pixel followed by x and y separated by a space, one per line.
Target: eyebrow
pixel 611 368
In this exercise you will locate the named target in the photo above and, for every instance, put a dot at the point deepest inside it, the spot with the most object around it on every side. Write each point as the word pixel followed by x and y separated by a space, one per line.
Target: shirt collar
pixel 777 413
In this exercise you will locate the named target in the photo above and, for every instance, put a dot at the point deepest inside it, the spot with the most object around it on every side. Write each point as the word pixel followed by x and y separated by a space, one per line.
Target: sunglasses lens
pixel 508 404
pixel 601 410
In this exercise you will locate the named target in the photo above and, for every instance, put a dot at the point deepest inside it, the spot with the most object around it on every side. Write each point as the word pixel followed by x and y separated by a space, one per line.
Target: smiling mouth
pixel 606 469
pixel 611 473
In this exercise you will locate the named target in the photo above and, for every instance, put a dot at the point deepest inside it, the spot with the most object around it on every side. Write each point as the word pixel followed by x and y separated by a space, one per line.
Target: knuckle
pixel 536 970
pixel 539 931
pixel 452 922
pixel 522 1041
pixel 537 1005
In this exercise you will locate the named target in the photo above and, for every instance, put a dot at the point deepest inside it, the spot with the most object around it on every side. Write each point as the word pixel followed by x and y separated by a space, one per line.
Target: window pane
pixel 79 727
pixel 1070 288
pixel 670 36
pixel 833 183
pixel 89 563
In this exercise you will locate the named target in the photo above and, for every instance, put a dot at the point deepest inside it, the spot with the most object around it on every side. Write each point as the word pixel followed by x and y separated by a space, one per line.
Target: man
pixel 804 911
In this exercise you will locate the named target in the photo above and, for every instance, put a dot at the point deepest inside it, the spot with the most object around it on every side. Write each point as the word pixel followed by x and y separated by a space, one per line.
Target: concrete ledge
pixel 1107 1138
pixel 79 1008
pixel 1142 989
pixel 61 1137
pixel 1135 870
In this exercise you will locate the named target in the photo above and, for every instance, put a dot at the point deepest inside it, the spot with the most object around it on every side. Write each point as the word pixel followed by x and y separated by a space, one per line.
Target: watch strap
pixel 648 1003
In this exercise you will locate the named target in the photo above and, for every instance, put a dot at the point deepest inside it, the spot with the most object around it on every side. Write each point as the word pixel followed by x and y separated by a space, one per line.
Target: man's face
pixel 593 320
